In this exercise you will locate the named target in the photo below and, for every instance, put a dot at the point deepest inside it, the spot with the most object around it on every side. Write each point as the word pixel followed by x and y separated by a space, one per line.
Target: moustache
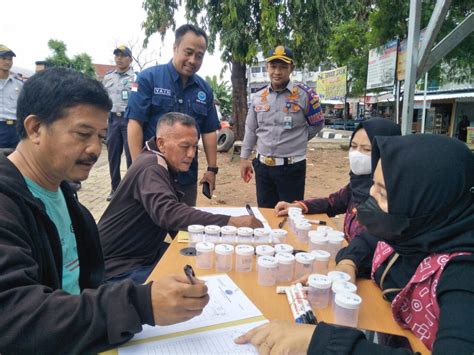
pixel 89 161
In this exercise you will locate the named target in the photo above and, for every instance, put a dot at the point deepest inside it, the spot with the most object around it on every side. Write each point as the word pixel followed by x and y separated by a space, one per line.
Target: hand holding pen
pixel 177 298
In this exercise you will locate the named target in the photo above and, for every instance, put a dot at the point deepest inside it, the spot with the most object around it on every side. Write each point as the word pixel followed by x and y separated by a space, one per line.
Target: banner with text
pixel 331 84
pixel 382 63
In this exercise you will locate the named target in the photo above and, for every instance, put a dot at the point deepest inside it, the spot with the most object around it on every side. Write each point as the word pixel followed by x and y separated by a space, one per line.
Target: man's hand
pixel 246 170
pixel 175 300
pixel 135 137
pixel 279 337
pixel 281 208
pixel 210 177
pixel 245 221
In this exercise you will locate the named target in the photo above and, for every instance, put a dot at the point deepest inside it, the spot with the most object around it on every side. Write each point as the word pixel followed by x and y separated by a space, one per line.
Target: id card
pixel 124 94
pixel 287 122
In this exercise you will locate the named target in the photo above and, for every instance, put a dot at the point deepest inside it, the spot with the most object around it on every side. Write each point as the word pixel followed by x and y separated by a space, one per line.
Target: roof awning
pixel 445 96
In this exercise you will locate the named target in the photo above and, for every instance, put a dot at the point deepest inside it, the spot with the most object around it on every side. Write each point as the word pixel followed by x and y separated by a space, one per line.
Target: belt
pixel 8 122
pixel 273 161
pixel 118 114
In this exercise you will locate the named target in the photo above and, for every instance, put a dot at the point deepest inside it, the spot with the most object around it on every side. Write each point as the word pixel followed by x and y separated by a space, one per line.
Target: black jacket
pixel 455 293
pixel 36 315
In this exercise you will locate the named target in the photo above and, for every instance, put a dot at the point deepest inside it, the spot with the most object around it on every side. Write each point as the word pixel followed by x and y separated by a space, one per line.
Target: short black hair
pixel 49 93
pixel 182 30
pixel 170 118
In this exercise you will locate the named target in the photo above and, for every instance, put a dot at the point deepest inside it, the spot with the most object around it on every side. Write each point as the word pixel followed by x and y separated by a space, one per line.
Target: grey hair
pixel 169 119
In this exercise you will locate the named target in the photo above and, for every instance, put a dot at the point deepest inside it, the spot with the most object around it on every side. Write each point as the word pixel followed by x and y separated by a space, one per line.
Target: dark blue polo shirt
pixel 159 91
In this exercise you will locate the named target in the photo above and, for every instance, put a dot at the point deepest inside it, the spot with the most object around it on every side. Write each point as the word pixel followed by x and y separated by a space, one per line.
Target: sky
pixel 93 27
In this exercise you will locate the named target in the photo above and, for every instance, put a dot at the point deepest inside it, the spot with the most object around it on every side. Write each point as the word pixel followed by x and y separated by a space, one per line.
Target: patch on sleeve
pixel 314 113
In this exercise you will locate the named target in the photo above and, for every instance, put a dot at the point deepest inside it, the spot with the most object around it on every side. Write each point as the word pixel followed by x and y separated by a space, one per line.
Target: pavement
pixel 96 188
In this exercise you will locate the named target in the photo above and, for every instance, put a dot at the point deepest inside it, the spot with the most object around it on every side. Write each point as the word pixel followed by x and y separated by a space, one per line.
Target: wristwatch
pixel 213 169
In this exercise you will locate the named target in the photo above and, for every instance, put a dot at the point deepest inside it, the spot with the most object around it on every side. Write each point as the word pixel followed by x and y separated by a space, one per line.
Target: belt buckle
pixel 10 122
pixel 118 114
pixel 290 160
pixel 269 161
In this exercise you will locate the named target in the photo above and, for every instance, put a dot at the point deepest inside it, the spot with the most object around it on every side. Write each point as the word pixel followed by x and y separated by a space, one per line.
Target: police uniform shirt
pixel 119 85
pixel 9 91
pixel 159 90
pixel 278 121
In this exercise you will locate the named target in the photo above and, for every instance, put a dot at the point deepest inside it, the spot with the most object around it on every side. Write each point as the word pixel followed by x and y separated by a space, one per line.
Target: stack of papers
pixel 229 314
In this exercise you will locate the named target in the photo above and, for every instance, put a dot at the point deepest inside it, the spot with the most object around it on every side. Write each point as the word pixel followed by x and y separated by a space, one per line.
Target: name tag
pixel 162 91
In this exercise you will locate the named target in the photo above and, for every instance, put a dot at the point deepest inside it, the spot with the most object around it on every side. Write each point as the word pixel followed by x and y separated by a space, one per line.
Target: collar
pixel 175 75
pixel 129 71
pixel 288 87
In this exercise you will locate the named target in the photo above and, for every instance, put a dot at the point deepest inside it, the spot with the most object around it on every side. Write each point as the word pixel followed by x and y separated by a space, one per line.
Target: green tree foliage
pixel 371 23
pixel 222 92
pixel 81 62
pixel 349 46
pixel 389 20
pixel 244 27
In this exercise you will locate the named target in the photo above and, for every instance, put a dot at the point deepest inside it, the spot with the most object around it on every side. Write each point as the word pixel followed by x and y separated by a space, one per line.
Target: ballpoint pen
pixel 282 223
pixel 188 270
pixel 249 210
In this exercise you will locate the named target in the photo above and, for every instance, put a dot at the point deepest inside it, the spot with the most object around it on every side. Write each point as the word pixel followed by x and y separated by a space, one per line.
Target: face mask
pixel 361 164
pixel 379 223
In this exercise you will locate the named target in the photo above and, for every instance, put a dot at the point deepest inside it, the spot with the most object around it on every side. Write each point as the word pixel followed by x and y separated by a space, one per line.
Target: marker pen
pixel 292 305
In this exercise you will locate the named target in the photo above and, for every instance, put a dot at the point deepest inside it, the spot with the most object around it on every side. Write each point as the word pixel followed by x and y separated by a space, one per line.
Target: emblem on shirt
pixel 202 96
pixel 162 91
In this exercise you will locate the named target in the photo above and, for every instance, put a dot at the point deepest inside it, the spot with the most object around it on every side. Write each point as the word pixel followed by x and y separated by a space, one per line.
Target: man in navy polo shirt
pixel 175 87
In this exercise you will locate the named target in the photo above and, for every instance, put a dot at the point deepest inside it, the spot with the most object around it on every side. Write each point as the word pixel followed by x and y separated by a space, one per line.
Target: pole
pixel 411 63
pixel 423 116
pixel 397 103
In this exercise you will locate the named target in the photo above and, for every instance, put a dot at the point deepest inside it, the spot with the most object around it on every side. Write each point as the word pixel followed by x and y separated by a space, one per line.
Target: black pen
pixel 282 223
pixel 188 270
pixel 249 210
pixel 317 221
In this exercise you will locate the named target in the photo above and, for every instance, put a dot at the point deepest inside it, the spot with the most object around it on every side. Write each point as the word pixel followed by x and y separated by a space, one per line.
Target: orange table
pixel 375 313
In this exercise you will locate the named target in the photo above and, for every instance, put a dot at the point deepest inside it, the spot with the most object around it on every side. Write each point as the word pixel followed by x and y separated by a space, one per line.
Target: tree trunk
pixel 239 98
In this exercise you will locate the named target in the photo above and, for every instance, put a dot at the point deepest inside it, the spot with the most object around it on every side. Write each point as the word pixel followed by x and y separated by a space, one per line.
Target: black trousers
pixel 117 142
pixel 279 183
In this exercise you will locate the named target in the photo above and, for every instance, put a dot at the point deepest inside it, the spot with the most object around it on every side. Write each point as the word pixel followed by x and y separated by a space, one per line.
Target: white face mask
pixel 361 164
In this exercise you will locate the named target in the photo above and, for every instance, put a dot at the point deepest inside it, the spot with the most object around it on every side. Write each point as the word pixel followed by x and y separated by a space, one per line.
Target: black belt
pixel 8 122
pixel 118 114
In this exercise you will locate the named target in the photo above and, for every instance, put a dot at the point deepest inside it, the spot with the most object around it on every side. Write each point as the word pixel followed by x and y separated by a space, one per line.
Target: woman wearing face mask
pixel 350 196
pixel 421 212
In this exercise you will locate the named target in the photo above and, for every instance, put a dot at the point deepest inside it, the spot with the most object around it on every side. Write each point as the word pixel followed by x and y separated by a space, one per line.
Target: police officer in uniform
pixel 277 122
pixel 118 84
pixel 175 87
pixel 10 87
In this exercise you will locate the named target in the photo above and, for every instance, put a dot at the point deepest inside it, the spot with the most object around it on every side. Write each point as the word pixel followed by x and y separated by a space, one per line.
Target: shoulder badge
pixel 314 112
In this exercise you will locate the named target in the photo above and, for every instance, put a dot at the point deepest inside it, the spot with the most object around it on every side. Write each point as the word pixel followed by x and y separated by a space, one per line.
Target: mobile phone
pixel 206 190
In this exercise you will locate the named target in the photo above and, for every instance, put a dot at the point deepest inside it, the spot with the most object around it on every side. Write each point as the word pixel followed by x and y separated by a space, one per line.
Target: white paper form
pixel 227 303
pixel 217 341
pixel 237 211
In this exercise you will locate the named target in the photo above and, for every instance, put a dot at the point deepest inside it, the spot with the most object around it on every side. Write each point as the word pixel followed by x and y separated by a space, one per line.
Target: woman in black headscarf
pixel 357 190
pixel 421 212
